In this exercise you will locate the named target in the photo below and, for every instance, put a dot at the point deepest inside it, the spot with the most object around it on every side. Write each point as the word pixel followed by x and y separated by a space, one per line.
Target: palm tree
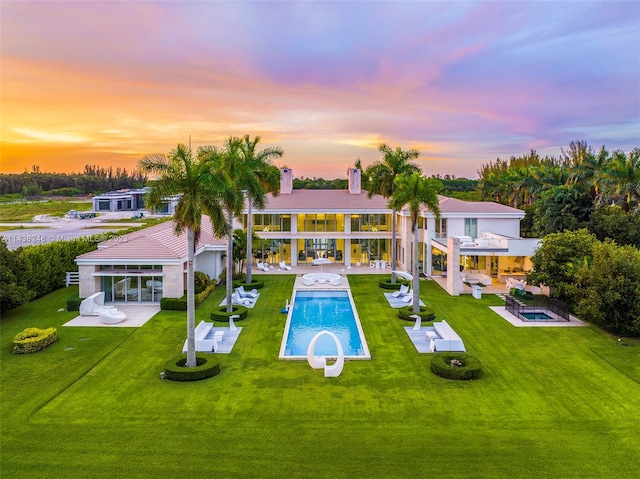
pixel 225 160
pixel 414 191
pixel 250 173
pixel 622 177
pixel 257 176
pixel 201 188
pixel 381 177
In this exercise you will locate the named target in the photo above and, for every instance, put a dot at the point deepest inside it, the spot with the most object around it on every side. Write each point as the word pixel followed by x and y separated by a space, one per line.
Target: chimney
pixel 354 181
pixel 286 181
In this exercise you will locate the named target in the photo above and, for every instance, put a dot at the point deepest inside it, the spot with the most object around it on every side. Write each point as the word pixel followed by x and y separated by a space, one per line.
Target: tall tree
pixel 622 177
pixel 257 176
pixel 201 186
pixel 415 191
pixel 381 176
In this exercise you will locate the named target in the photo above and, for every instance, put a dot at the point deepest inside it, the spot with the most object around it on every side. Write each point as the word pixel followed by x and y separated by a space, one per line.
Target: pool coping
pixel 328 288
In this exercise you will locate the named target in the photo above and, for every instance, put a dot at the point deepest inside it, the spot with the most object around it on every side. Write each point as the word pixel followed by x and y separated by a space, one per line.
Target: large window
pixel 471 227
pixel 441 228
pixel 370 222
pixel 271 222
pixel 320 222
pixel 365 250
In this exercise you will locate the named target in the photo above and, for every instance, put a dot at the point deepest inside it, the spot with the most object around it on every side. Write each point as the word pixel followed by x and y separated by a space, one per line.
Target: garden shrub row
pixel 459 366
pixel 33 271
pixel 32 340
pixel 207 366
pixel 180 304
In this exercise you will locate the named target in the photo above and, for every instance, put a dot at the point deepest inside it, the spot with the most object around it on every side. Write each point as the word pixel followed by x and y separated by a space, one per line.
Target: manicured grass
pixel 26 211
pixel 553 402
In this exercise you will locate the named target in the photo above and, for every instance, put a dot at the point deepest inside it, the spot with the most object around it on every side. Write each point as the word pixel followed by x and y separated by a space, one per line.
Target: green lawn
pixel 553 402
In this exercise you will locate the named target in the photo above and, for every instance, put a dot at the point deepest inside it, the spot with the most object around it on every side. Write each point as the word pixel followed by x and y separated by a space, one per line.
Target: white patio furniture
pixel 284 266
pixel 404 289
pixel 247 294
pixel 91 304
pixel 111 315
pixel 408 298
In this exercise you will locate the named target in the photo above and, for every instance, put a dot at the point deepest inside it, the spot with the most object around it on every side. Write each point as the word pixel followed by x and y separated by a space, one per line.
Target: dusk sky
pixel 462 82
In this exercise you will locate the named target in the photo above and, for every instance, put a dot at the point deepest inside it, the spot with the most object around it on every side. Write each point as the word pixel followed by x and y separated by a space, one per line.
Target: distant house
pixel 130 200
pixel 144 266
pixel 479 240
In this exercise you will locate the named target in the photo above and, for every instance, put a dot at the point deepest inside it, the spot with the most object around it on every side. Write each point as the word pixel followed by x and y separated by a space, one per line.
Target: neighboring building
pixel 144 266
pixel 130 200
pixel 345 226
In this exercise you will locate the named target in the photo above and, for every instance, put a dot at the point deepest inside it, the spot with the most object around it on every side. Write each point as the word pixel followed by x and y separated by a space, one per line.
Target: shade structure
pixel 403 275
pixel 321 261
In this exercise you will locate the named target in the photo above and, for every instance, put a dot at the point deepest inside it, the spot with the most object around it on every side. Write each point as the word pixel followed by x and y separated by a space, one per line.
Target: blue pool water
pixel 537 316
pixel 314 311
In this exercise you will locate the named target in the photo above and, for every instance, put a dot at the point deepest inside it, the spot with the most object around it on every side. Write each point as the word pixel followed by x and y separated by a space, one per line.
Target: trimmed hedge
pixel 255 284
pixel 32 340
pixel 207 367
pixel 426 313
pixel 387 284
pixel 73 302
pixel 470 368
pixel 223 315
pixel 180 304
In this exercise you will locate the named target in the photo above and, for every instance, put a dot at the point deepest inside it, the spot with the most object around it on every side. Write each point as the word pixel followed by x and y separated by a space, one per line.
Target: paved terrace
pixel 304 268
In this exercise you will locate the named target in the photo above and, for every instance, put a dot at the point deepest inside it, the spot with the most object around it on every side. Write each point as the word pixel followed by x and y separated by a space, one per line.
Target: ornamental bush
pixel 387 284
pixel 255 284
pixel 458 366
pixel 207 366
pixel 32 340
pixel 180 304
pixel 73 302
pixel 221 314
pixel 426 313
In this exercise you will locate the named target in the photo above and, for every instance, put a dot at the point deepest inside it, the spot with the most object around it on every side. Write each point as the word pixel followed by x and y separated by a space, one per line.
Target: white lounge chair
pixel 237 299
pixel 284 266
pixel 90 305
pixel 263 266
pixel 111 315
pixel 407 298
pixel 247 294
pixel 404 289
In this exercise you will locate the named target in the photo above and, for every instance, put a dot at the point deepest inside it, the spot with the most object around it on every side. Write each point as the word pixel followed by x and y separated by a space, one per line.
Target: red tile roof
pixel 156 242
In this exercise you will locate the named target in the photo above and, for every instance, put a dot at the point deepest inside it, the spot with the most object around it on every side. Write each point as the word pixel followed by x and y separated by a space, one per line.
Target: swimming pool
pixel 537 316
pixel 315 311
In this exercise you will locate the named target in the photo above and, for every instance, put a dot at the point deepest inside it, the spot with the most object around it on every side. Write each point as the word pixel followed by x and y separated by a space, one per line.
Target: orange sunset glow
pixel 108 82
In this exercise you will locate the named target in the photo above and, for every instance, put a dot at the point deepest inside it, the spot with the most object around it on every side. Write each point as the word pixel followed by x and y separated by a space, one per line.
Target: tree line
pixel 93 180
pixel 570 192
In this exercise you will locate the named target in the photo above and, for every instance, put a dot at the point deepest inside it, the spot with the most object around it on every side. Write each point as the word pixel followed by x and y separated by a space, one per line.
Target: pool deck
pixel 343 286
pixel 518 323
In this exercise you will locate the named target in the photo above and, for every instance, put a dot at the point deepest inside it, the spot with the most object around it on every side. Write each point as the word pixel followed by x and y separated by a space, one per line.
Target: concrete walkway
pixel 137 315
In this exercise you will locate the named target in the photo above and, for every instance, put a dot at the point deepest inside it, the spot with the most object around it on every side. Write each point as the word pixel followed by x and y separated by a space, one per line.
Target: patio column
pixel 454 285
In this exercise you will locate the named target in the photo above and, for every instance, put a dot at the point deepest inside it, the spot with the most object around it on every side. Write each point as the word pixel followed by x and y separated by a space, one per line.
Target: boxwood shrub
pixel 426 313
pixel 173 304
pixel 32 340
pixel 221 314
pixel 255 284
pixel 387 284
pixel 73 302
pixel 207 366
pixel 180 304
pixel 444 365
